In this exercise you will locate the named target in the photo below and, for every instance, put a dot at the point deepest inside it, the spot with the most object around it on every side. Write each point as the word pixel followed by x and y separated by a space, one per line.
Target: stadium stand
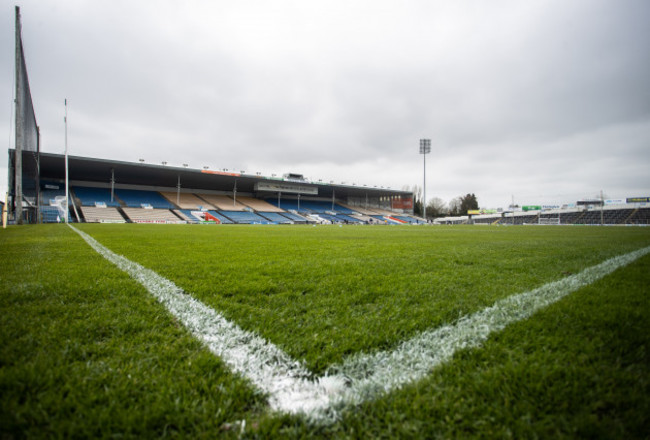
pixel 223 203
pixel 316 218
pixel 88 196
pixel 324 206
pixel 640 216
pixel 95 205
pixel 151 215
pixel 48 196
pixel 359 210
pixel 287 205
pixel 606 216
pixel 102 215
pixel 245 217
pixel 51 214
pixel 186 214
pixel 521 218
pixel 343 210
pixel 363 218
pixel 258 204
pixel 484 219
pixel 136 198
pixel 408 219
pixel 310 206
pixel 224 220
pixel 194 216
pixel 387 219
pixel 52 203
pixel 382 212
pixel 275 217
pixel 349 219
pixel 329 217
pixel 296 218
pixel 186 201
pixel 563 216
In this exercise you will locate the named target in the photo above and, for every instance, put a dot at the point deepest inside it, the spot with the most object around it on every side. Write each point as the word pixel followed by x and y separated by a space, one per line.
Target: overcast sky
pixel 547 101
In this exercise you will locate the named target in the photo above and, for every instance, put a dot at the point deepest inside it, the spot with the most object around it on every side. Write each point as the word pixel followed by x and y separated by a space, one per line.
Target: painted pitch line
pixel 261 362
pixel 413 359
pixel 293 389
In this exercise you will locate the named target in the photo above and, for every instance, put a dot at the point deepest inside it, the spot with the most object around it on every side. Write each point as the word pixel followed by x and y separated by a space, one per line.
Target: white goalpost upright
pixel 26 167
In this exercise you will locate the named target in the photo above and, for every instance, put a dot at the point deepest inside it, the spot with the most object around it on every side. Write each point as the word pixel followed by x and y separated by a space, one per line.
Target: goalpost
pixel 550 219
pixel 26 154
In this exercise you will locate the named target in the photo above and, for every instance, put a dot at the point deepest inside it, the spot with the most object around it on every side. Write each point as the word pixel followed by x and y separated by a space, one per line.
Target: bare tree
pixel 436 207
pixel 454 206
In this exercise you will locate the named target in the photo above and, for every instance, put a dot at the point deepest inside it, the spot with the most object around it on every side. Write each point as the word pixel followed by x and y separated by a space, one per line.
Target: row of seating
pixel 131 205
pixel 309 206
pixel 87 196
pixel 109 214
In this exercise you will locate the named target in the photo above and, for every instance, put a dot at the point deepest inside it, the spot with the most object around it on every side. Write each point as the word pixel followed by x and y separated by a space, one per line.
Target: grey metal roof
pixel 87 169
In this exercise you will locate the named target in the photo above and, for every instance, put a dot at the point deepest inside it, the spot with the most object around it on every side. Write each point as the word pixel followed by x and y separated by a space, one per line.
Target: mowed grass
pixel 322 293
pixel 86 352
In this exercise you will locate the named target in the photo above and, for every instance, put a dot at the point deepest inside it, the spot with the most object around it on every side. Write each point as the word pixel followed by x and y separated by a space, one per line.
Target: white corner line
pixel 293 389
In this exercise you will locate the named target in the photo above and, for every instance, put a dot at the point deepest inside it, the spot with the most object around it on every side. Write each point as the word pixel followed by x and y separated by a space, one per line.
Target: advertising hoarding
pixel 638 199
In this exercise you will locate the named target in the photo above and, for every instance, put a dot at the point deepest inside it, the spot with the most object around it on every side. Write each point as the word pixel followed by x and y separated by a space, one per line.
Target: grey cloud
pixel 341 89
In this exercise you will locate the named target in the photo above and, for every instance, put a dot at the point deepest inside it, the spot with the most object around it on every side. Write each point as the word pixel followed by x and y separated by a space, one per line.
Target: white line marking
pixel 292 388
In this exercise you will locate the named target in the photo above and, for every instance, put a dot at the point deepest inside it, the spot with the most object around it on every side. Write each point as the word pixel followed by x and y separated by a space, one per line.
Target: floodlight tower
pixel 425 148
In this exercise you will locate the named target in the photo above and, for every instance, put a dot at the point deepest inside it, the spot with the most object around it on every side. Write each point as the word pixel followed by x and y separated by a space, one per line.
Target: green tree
pixel 461 204
pixel 467 203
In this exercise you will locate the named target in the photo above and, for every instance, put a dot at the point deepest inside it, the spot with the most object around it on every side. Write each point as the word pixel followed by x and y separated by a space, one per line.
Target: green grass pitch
pixel 85 351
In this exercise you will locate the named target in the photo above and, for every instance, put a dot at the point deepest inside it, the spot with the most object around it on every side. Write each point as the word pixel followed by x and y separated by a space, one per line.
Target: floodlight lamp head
pixel 425 146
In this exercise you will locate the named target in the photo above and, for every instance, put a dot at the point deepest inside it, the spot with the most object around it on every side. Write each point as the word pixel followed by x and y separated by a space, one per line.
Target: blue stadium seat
pixel 135 198
pixel 51 214
pixel 288 205
pixel 48 194
pixel 406 218
pixel 309 206
pixel 275 217
pixel 294 218
pixel 91 196
pixel 245 217
pixel 347 218
pixel 224 220
pixel 193 219
pixel 189 215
